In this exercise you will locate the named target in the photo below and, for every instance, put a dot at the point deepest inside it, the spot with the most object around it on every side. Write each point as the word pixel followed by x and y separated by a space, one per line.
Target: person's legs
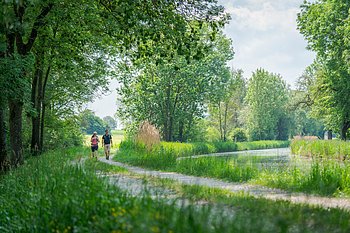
pixel 96 151
pixel 107 150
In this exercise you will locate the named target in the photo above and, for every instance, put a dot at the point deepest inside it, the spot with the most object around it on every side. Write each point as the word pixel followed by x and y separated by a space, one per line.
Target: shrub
pixel 148 135
pixel 239 135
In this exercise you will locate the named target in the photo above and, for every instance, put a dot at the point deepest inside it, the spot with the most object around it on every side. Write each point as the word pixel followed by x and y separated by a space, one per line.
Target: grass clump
pixel 321 148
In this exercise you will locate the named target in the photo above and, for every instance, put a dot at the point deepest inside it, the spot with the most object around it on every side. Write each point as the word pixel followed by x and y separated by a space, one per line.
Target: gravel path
pixel 254 190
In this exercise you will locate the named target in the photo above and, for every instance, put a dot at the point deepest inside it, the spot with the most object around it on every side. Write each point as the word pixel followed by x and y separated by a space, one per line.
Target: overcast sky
pixel 264 34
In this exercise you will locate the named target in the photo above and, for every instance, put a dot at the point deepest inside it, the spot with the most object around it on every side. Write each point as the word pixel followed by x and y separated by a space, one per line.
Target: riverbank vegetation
pixel 57 192
pixel 334 149
pixel 295 174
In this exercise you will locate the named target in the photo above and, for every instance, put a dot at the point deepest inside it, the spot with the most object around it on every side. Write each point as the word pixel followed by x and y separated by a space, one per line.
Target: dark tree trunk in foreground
pixel 344 129
pixel 3 152
pixel 329 135
pixel 15 120
pixel 37 105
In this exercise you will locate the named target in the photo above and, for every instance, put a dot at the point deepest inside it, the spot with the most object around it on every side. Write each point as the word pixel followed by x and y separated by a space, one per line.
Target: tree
pixel 171 94
pixel 267 98
pixel 90 123
pixel 125 26
pixel 325 25
pixel 224 109
pixel 110 122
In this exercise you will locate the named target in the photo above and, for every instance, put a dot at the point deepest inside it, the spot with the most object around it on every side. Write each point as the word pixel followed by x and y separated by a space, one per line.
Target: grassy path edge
pixel 253 190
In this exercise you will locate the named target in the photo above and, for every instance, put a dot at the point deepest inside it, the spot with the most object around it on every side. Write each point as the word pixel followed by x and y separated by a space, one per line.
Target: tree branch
pixel 39 22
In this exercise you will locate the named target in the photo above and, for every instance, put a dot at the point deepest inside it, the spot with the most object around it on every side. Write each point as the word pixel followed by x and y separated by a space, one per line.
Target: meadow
pixel 61 192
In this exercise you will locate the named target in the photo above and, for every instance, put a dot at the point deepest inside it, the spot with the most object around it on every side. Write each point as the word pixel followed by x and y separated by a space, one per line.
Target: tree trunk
pixel 181 131
pixel 42 123
pixel 3 151
pixel 35 118
pixel 37 90
pixel 344 129
pixel 220 123
pixel 43 101
pixel 225 122
pixel 15 120
pixel 167 123
pixel 329 135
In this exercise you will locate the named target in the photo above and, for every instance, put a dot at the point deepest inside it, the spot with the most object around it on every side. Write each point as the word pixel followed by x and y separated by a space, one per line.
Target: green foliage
pixel 321 148
pixel 90 123
pixel 12 69
pixel 61 133
pixel 239 135
pixel 325 26
pixel 171 94
pixel 267 99
pixel 226 104
pixel 110 122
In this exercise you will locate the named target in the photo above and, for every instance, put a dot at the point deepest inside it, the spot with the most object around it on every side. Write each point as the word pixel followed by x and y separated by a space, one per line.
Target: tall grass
pixel 321 148
pixel 53 193
pixel 326 177
pixel 267 144
pixel 323 177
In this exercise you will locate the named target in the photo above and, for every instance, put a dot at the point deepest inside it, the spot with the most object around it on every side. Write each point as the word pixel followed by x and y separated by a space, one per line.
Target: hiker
pixel 106 143
pixel 94 144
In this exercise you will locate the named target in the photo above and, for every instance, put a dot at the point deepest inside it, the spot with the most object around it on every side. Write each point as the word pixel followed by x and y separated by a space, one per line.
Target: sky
pixel 264 34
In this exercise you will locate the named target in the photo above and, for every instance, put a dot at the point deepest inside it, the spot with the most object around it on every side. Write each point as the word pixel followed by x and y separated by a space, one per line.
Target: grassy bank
pixel 321 148
pixel 326 177
pixel 262 145
pixel 54 193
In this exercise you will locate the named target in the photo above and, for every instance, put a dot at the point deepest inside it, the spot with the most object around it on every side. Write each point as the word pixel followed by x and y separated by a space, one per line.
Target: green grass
pixel 262 145
pixel 321 148
pixel 117 132
pixel 97 166
pixel 54 193
pixel 262 215
pixel 321 177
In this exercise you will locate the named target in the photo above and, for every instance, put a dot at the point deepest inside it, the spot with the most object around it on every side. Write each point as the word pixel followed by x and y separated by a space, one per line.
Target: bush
pixel 239 135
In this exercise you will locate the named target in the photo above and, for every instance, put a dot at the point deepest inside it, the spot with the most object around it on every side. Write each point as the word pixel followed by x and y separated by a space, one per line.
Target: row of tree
pixel 174 95
pixel 326 26
pixel 90 123
pixel 55 55
pixel 208 101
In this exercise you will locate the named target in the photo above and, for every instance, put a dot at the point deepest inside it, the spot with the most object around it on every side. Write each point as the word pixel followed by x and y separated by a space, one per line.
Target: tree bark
pixel 37 89
pixel 181 131
pixel 344 129
pixel 42 123
pixel 15 120
pixel 220 122
pixel 3 151
pixel 329 135
pixel 225 122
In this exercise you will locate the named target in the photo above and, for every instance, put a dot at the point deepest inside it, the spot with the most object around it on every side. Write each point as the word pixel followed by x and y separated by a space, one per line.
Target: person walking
pixel 106 143
pixel 94 145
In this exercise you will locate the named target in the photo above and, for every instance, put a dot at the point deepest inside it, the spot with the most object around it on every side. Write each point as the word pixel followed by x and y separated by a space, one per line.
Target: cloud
pixel 264 35
pixel 265 18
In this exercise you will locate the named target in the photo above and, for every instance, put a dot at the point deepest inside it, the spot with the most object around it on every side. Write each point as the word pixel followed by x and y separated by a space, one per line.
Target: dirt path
pixel 254 190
